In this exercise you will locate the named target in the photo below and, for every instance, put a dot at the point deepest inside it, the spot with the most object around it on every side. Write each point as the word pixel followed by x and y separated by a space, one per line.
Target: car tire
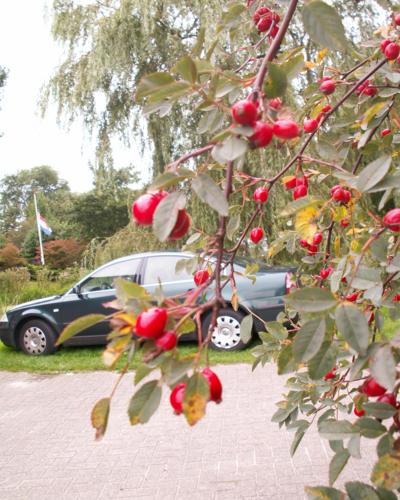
pixel 226 335
pixel 37 338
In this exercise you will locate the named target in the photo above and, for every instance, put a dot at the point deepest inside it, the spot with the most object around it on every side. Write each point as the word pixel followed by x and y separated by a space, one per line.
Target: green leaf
pixel 166 180
pixel 286 363
pixel 308 339
pixel 281 414
pixel 175 369
pixel 276 329
pixel 231 149
pixel 141 372
pixel 335 430
pixel 197 393
pixel 353 325
pixel 246 329
pixel 383 367
pixel 166 214
pixel 297 439
pixel 373 173
pixel 390 181
pixel 369 427
pixel 323 493
pixel 99 416
pixel 311 300
pixel 233 226
pixel 366 277
pixel 323 362
pixel 276 82
pixel 386 472
pixel 210 193
pixel 354 446
pixel 360 491
pixel 144 403
pixel 170 92
pixel 293 66
pixel 186 67
pixel 78 325
pixel 379 410
pixel 337 464
pixel 323 24
pixel 385 445
pixel 128 290
pixel 151 83
pixel 296 205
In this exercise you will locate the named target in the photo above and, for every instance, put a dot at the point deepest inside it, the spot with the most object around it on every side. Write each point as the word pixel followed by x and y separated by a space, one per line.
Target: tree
pixel 10 256
pixel 335 348
pixel 60 254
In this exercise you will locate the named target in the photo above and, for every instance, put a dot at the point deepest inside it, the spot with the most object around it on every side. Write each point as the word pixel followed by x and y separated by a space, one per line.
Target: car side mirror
pixel 77 290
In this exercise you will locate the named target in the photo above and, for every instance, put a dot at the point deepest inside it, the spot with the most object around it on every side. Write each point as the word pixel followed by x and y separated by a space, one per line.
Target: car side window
pixel 103 279
pixel 162 268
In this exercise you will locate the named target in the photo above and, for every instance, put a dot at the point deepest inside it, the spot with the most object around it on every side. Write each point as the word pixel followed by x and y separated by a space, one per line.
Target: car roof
pixel 149 254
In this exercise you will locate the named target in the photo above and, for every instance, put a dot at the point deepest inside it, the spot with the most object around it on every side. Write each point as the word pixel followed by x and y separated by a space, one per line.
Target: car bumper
pixel 6 334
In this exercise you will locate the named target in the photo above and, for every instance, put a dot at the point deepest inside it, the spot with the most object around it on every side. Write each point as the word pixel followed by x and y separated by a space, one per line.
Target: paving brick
pixel 49 452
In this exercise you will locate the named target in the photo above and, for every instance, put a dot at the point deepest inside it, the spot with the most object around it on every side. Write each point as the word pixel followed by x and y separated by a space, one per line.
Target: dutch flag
pixel 46 229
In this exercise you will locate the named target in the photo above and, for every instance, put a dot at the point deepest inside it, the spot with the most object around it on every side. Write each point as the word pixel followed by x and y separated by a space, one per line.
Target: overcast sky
pixel 29 53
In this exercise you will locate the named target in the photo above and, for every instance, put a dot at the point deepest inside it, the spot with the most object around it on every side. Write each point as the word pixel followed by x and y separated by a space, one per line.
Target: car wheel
pixel 37 338
pixel 226 334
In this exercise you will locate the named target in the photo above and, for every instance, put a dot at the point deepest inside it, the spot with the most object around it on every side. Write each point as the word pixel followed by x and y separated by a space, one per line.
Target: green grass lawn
pixel 80 359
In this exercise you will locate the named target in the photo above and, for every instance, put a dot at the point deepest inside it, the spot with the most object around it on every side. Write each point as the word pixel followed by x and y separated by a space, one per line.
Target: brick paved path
pixel 48 450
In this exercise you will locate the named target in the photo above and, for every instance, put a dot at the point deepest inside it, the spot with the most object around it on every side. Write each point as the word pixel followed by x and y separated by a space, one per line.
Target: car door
pixel 161 268
pixel 95 291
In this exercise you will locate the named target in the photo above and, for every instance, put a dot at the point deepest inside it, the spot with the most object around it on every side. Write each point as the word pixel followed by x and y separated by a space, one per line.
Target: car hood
pixel 34 303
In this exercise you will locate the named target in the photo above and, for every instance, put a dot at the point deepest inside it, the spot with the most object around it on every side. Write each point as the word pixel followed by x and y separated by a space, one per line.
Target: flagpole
pixel 39 230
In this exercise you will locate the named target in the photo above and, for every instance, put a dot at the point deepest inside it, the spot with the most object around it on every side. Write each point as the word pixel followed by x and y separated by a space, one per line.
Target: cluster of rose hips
pixel 312 247
pixel 266 20
pixel 143 212
pixel 372 389
pixel 298 184
pixel 178 392
pixel 151 324
pixel 390 50
pixel 246 113
pixel 341 195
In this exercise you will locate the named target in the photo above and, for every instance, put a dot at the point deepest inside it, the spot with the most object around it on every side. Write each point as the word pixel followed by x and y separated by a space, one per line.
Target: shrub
pixel 10 256
pixel 60 254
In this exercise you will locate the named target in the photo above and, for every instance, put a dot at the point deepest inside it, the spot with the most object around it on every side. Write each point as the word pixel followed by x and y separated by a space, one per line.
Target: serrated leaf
pixel 323 362
pixel 78 325
pixel 369 427
pixel 286 363
pixel 373 173
pixel 311 300
pixel 151 83
pixel 99 416
pixel 175 369
pixel 354 446
pixel 371 112
pixel 231 149
pixel 379 410
pixel 141 372
pixel 386 472
pixel 186 67
pixel 323 493
pixel 337 464
pixel 308 339
pixel 293 66
pixel 276 82
pixel 323 24
pixel 353 325
pixel 296 205
pixel 126 290
pixel 144 403
pixel 246 329
pixel 305 223
pixel 166 214
pixel 210 193
pixel 166 180
pixel 335 430
pixel 233 226
pixel 170 92
pixel 383 367
pixel 197 393
pixel 361 491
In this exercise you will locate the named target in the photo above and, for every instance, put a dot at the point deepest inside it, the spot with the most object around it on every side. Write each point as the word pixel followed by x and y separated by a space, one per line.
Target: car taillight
pixel 290 282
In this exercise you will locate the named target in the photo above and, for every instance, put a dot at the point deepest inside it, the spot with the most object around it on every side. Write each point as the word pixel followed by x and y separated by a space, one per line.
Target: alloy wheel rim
pixel 34 340
pixel 226 333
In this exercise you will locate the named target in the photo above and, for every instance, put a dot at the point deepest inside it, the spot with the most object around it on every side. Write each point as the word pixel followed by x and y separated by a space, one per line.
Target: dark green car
pixel 34 326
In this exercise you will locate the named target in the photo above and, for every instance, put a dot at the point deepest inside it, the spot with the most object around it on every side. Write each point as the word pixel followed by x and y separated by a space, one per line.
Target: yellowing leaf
pixel 354 245
pixel 195 408
pixel 321 55
pixel 305 223
pixel 340 213
pixel 310 65
pixel 371 112
pixel 336 246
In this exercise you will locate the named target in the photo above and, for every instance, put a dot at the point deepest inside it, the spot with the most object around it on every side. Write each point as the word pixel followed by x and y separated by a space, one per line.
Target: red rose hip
pixel 299 192
pixel 176 398
pixel 359 412
pixel 392 220
pixel 260 195
pixel 256 235
pixel 144 207
pixel 286 129
pixel 167 341
pixel 151 323
pixel 371 388
pixel 310 125
pixel 327 87
pixel 181 227
pixel 214 384
pixel 392 51
pixel 317 238
pixel 201 276
pixel 262 135
pixel 245 112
